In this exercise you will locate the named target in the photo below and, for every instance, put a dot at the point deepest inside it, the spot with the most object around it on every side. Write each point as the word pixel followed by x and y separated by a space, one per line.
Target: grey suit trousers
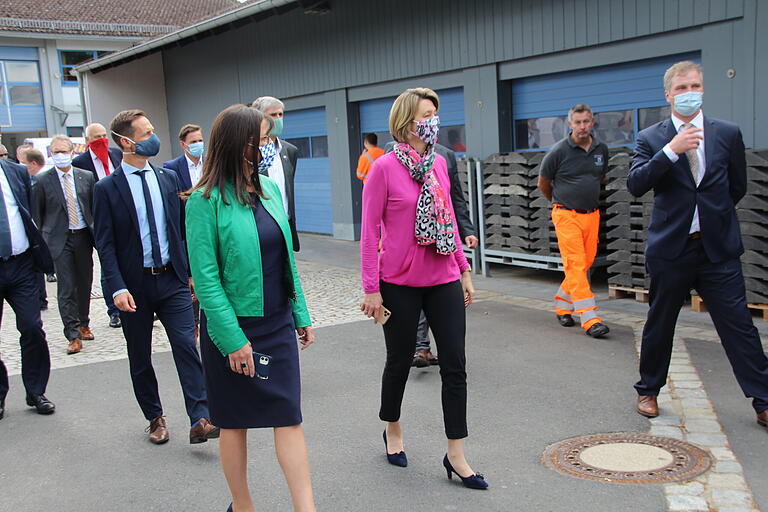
pixel 74 271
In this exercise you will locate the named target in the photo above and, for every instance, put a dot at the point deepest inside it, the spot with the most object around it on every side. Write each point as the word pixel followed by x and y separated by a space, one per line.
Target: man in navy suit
pixel 189 166
pixel 138 226
pixel 23 254
pixel 102 161
pixel 189 169
pixel 696 167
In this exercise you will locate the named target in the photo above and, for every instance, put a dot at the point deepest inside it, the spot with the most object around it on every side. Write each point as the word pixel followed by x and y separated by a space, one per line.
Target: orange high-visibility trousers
pixel 577 235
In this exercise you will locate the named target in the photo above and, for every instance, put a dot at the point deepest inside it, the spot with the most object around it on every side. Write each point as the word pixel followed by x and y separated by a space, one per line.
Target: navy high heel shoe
pixel 476 481
pixel 396 459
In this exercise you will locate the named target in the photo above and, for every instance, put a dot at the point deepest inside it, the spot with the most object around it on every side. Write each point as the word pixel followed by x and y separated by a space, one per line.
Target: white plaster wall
pixel 137 84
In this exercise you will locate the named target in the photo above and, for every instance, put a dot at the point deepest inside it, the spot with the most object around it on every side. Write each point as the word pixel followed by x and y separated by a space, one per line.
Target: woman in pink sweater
pixel 407 209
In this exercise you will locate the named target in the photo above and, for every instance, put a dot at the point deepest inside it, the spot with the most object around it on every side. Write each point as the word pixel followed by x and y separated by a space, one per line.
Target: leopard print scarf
pixel 434 218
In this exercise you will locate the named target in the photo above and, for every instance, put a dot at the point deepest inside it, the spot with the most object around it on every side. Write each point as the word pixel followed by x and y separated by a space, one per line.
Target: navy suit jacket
pixel 84 160
pixel 21 187
pixel 182 171
pixel 116 230
pixel 676 195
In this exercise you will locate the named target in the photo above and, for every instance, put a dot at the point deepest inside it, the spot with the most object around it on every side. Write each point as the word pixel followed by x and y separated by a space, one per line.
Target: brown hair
pixel 233 129
pixel 62 138
pixel 187 129
pixel 404 109
pixel 122 124
pixel 680 68
pixel 35 156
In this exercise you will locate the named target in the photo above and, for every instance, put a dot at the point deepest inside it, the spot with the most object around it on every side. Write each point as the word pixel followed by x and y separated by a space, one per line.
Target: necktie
pixel 71 208
pixel 156 258
pixel 6 245
pixel 693 157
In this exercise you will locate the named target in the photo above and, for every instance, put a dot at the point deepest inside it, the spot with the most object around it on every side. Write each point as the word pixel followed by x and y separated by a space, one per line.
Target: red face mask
pixel 100 149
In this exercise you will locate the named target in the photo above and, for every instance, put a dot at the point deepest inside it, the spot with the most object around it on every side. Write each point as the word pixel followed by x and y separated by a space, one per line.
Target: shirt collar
pixel 697 121
pixel 129 169
pixel 191 163
pixel 61 173
pixel 277 144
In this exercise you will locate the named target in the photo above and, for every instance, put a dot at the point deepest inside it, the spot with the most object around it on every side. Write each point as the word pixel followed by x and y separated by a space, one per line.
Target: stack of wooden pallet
pixel 627 219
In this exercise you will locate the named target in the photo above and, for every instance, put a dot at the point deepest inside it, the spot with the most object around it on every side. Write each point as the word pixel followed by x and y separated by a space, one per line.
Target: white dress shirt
pixel 697 122
pixel 100 172
pixel 277 173
pixel 19 240
pixel 80 219
pixel 195 169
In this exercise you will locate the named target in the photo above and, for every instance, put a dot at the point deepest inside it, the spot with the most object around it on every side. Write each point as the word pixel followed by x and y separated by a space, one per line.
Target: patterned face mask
pixel 427 129
pixel 268 153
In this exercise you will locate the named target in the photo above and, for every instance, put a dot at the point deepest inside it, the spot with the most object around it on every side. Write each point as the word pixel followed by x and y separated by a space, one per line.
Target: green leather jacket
pixel 225 260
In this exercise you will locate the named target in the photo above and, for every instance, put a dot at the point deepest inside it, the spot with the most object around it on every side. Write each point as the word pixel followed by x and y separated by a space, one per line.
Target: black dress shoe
pixel 2 407
pixel 42 404
pixel 114 320
pixel 598 330
pixel 566 320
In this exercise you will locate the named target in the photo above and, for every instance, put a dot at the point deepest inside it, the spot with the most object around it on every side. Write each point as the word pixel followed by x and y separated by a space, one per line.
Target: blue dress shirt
pixel 134 181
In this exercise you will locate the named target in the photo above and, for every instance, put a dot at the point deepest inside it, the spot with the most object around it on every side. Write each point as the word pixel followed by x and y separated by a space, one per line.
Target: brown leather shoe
pixel 647 406
pixel 203 431
pixel 420 358
pixel 762 418
pixel 158 431
pixel 75 346
pixel 85 333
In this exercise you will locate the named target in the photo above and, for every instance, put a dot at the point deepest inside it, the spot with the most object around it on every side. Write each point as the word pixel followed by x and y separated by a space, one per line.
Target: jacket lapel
pixel 82 196
pixel 274 208
pixel 15 190
pixel 121 183
pixel 682 163
pixel 710 136
pixel 54 188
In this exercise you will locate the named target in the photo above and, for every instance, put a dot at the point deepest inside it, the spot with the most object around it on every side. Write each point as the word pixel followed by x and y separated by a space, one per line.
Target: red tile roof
pixel 139 18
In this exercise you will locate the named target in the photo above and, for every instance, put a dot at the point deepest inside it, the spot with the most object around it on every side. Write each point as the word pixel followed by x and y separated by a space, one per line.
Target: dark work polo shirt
pixel 575 173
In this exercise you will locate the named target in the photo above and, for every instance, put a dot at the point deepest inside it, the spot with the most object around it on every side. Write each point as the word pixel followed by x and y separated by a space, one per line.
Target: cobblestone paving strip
pixel 332 293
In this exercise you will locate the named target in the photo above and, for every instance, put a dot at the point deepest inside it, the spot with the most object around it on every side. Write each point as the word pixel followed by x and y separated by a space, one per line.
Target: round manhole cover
pixel 627 458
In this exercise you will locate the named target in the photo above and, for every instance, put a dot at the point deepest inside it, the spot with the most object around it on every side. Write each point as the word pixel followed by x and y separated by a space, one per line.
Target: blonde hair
pixel 680 68
pixel 404 110
pixel 63 138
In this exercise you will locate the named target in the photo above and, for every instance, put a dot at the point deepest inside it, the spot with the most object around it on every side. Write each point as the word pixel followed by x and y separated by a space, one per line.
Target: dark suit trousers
pixel 74 277
pixel 443 306
pixel 165 295
pixel 721 286
pixel 19 288
pixel 41 287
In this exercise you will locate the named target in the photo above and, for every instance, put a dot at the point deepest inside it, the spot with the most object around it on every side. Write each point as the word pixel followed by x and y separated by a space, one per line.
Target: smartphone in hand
pixel 382 316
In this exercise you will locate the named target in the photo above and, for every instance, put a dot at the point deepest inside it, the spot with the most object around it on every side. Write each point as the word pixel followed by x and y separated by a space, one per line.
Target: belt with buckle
pixel 574 209
pixel 77 230
pixel 695 236
pixel 156 271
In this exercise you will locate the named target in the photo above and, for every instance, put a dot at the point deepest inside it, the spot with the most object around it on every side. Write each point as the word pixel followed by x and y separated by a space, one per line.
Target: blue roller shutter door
pixel 625 97
pixel 307 130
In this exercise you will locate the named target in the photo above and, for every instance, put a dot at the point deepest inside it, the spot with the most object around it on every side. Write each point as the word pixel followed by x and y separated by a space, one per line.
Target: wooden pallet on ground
pixel 697 304
pixel 620 292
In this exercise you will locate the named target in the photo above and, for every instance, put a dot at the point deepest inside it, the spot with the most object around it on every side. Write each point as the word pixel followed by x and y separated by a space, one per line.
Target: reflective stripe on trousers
pixel 577 235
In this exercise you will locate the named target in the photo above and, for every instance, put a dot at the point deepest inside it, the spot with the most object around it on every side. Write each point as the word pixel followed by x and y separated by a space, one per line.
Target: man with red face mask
pixel 101 160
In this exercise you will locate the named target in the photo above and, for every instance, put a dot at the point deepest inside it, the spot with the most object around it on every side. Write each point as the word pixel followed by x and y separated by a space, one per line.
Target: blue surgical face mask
pixel 196 149
pixel 149 147
pixel 687 103
pixel 62 160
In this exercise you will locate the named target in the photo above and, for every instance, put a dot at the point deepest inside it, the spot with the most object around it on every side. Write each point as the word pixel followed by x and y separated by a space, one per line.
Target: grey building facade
pixel 510 69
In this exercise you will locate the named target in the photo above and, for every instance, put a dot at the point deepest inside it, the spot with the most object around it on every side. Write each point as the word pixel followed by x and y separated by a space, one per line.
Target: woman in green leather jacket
pixel 241 257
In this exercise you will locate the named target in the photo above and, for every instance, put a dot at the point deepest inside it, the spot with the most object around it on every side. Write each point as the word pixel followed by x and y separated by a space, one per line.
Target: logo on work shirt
pixel 598 160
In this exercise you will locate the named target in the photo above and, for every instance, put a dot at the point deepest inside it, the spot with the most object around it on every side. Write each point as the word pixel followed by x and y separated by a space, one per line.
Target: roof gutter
pixel 154 44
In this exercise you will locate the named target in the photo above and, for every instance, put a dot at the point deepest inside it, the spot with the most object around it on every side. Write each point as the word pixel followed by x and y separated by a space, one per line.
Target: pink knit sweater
pixel 389 209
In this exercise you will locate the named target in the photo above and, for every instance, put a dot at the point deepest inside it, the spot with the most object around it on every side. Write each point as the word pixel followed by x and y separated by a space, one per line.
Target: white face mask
pixel 62 160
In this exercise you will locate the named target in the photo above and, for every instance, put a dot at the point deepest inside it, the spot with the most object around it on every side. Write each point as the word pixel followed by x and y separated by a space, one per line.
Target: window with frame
pixel 68 59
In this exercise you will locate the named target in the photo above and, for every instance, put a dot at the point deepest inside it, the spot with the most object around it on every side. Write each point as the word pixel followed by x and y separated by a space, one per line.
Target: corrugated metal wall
pixel 361 42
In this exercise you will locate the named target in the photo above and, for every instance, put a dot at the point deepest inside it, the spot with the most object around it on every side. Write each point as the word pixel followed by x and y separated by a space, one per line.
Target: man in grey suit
pixel 62 202
pixel 282 169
